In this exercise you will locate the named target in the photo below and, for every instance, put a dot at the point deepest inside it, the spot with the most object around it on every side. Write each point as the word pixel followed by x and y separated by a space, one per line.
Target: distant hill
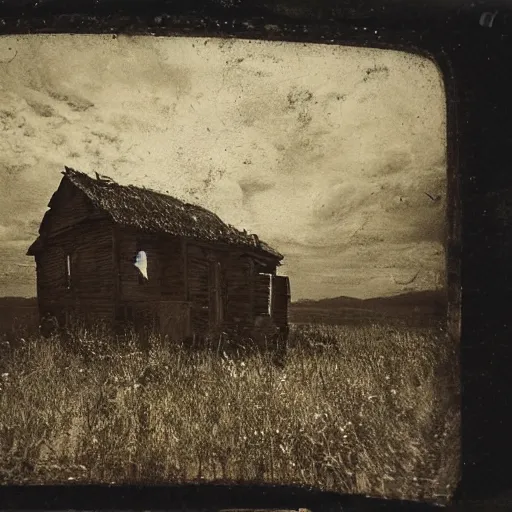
pixel 416 307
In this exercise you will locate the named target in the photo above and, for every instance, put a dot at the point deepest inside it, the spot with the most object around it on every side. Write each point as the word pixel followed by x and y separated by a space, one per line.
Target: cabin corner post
pixel 251 291
pixel 186 288
pixel 40 307
pixel 184 256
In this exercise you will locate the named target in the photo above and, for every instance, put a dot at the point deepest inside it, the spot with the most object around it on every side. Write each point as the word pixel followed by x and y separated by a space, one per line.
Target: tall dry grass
pixel 370 410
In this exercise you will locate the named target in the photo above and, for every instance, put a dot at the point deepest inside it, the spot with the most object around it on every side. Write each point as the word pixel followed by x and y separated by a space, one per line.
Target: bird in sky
pixel 434 198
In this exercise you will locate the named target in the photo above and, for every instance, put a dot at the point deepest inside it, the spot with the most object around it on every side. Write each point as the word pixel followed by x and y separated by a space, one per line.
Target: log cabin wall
pixel 84 287
pixel 235 287
pixel 262 301
pixel 239 300
pixel 198 273
pixel 158 303
pixel 103 276
pixel 69 206
pixel 165 268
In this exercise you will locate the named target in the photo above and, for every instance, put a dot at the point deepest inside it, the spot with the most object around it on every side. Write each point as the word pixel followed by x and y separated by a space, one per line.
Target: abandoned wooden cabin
pixel 129 255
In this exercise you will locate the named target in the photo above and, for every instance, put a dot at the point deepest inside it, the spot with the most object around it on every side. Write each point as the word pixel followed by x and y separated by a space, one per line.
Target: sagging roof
pixel 154 212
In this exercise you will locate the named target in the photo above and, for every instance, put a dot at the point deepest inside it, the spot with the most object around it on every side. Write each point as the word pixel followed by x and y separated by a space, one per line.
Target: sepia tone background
pixel 335 156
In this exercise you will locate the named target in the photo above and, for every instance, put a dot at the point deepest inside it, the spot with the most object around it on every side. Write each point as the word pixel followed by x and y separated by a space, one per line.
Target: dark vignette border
pixel 473 60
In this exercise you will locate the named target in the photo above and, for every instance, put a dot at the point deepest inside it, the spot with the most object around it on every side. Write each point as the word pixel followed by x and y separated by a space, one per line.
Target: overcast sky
pixel 325 152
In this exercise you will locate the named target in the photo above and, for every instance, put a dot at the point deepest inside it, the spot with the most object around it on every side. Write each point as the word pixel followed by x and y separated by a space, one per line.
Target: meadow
pixel 367 409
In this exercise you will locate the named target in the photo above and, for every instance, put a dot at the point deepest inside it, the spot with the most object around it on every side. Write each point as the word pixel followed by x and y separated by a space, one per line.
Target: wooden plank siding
pixel 91 290
pixel 116 269
pixel 174 320
pixel 217 293
pixel 239 311
pixel 231 288
pixel 198 288
pixel 158 303
pixel 262 294
pixel 70 207
pixel 165 268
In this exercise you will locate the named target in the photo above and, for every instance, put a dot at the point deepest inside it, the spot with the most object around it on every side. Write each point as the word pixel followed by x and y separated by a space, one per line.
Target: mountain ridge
pixel 421 306
pixel 424 296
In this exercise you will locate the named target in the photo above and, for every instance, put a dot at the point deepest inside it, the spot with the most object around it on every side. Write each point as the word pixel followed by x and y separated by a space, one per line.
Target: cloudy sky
pixel 327 153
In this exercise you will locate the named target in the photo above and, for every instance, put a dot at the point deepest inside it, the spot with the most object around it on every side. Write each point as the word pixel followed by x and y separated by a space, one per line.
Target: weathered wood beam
pixel 116 255
pixel 184 255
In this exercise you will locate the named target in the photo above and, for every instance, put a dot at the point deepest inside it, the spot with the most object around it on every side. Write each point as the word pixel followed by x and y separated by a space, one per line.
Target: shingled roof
pixel 154 212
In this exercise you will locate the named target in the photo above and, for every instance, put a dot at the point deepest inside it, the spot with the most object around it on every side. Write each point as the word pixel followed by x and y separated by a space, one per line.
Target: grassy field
pixel 364 409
